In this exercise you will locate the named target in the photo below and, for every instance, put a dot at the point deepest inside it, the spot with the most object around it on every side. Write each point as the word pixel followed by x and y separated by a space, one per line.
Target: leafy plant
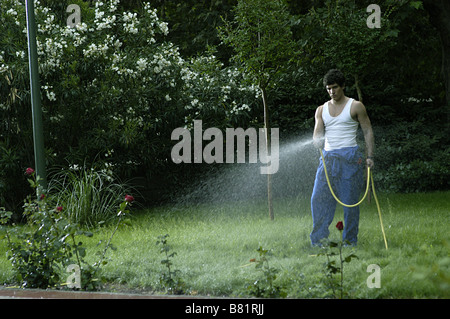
pixel 48 243
pixel 335 267
pixel 265 287
pixel 89 196
pixel 41 248
pixel 413 157
pixel 170 279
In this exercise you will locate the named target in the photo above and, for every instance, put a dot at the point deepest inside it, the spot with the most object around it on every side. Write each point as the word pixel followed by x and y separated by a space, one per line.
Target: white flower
pixel 117 44
pixel 127 16
pixel 74 167
pixel 99 14
pixel 4 68
pixel 106 23
pixel 49 19
pixel 96 50
pixel 51 96
pixel 20 54
pixel 164 28
pixel 131 21
pixel 82 27
pixel 142 64
pixel 113 5
pixel 11 12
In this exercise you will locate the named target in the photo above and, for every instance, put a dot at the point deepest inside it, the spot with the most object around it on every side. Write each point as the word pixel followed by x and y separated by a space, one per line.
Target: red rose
pixel 29 171
pixel 340 226
pixel 129 198
pixel 59 208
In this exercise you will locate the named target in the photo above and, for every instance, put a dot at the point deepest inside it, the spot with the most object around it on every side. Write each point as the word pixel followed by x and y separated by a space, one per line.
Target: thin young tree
pixel 261 37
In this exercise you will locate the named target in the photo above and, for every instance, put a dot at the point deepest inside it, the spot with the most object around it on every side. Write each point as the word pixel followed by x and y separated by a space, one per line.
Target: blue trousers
pixel 345 168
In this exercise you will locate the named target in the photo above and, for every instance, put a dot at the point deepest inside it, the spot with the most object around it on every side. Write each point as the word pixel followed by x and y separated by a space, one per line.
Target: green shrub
pixel 48 244
pixel 170 278
pixel 89 196
pixel 45 245
pixel 412 157
pixel 265 286
pixel 112 89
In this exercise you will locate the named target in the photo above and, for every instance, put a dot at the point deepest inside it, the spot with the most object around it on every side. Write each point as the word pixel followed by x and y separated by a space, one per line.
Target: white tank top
pixel 340 131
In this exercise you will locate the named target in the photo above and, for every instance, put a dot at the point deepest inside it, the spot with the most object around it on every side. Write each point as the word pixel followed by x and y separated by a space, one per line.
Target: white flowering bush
pixel 218 96
pixel 112 88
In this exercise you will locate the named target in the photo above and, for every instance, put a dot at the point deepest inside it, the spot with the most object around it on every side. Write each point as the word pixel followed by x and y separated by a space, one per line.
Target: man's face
pixel 335 91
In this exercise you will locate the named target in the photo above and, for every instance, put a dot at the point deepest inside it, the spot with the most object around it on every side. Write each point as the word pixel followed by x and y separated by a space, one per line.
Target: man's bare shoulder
pixel 319 111
pixel 358 110
pixel 357 105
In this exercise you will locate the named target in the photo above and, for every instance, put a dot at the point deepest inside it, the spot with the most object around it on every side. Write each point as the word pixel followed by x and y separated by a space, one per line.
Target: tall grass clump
pixel 89 197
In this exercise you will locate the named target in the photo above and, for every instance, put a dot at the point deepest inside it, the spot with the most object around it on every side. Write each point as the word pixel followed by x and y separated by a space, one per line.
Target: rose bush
pixel 50 242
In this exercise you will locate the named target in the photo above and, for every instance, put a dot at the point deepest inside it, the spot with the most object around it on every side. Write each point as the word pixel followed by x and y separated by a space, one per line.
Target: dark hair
pixel 334 76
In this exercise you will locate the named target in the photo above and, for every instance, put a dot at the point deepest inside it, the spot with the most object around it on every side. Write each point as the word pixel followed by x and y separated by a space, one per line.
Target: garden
pixel 235 250
pixel 115 212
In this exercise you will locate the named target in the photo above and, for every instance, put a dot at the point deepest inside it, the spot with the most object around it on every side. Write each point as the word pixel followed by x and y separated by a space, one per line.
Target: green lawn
pixel 215 243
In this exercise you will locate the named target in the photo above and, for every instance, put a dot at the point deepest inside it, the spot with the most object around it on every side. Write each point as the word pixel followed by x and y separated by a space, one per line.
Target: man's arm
pixel 366 126
pixel 319 129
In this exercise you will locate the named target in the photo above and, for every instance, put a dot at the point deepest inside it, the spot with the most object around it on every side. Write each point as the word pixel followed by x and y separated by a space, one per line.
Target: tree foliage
pixel 348 43
pixel 261 37
pixel 113 88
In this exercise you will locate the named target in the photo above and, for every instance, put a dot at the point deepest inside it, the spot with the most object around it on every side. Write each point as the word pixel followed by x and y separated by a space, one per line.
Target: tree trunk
pixel 439 11
pixel 266 130
pixel 358 88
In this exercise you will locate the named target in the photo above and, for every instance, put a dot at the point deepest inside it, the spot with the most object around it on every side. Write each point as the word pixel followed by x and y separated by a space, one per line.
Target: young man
pixel 336 125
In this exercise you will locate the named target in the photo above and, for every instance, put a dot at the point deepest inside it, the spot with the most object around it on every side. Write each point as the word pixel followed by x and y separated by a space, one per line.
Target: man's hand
pixel 370 163
pixel 319 142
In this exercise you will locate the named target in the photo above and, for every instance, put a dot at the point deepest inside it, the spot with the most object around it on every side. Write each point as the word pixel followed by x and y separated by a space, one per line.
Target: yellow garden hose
pixel 369 178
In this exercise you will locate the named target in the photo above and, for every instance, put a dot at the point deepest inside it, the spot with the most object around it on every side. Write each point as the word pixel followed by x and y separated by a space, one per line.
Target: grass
pixel 215 243
pixel 88 196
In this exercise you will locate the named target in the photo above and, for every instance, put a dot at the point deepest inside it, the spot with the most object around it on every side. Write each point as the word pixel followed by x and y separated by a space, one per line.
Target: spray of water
pixel 237 182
